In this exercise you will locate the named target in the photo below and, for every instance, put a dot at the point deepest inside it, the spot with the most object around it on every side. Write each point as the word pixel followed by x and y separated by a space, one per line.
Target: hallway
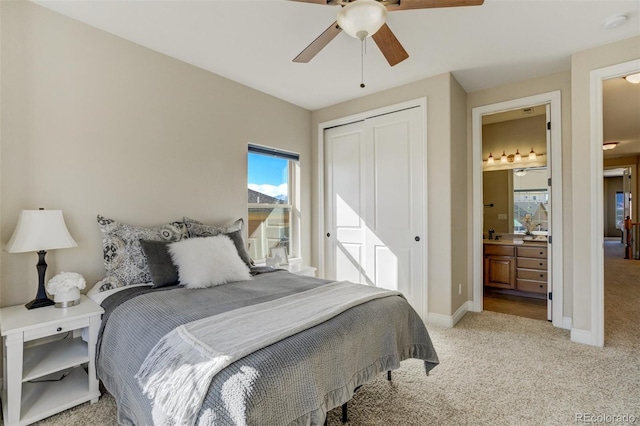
pixel 621 296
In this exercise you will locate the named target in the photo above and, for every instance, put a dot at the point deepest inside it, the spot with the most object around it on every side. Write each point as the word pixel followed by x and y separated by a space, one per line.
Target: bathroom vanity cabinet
pixel 514 265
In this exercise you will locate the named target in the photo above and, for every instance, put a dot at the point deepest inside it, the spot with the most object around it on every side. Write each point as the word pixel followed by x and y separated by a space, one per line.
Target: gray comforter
pixel 320 366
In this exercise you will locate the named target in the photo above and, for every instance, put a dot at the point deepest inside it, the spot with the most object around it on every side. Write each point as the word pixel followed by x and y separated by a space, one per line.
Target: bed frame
pixel 345 415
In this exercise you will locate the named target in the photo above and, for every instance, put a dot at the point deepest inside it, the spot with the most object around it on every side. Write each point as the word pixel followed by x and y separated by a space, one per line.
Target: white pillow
pixel 205 262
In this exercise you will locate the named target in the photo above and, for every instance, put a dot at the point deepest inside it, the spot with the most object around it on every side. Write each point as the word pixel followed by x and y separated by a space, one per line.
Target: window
pixel 619 210
pixel 530 207
pixel 271 177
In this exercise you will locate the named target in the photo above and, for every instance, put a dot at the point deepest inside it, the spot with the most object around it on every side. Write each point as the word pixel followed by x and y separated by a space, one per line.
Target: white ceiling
pixel 254 42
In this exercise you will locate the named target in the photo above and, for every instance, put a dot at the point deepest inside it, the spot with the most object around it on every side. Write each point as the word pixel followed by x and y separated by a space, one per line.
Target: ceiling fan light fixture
pixel 362 18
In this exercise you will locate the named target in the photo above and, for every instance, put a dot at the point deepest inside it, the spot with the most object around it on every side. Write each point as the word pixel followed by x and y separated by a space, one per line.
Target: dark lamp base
pixel 41 299
pixel 39 303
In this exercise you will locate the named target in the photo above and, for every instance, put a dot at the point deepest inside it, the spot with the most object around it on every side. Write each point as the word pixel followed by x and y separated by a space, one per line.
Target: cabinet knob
pixel 541 275
pixel 541 253
pixel 328 234
pixel 417 238
pixel 540 263
pixel 59 329
pixel 540 285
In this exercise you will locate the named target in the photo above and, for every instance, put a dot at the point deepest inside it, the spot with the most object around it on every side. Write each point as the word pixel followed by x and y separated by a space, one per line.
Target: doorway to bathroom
pixel 516 212
pixel 517 162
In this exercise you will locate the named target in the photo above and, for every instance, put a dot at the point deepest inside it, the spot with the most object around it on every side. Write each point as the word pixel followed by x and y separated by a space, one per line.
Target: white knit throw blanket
pixel 177 373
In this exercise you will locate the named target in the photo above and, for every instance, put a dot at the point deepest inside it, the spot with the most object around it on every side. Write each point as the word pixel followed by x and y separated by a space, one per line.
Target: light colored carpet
pixel 497 369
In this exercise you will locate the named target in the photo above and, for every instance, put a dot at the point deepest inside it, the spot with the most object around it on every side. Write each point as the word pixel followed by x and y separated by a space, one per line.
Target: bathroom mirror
pixel 516 201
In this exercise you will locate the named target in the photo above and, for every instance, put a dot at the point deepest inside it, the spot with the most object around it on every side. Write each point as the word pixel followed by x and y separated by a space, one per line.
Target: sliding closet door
pixel 375 203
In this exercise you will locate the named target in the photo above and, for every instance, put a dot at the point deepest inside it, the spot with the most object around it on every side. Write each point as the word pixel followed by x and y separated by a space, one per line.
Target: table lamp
pixel 40 230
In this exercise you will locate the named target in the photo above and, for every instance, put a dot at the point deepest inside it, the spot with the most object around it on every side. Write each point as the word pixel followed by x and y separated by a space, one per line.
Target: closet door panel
pixel 395 203
pixel 345 227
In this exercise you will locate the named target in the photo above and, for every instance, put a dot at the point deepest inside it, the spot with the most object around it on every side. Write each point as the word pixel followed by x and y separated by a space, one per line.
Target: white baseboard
pixel 581 336
pixel 462 310
pixel 449 321
pixel 439 319
pixel 566 323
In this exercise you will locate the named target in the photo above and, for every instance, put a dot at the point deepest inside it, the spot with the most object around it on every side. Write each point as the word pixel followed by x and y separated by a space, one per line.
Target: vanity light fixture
pixel 609 145
pixel 633 78
pixel 506 159
pixel 490 160
pixel 517 157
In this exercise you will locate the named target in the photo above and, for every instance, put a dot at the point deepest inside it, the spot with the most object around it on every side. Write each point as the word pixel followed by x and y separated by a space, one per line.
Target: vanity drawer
pixel 532 274
pixel 529 263
pixel 498 250
pixel 531 286
pixel 537 252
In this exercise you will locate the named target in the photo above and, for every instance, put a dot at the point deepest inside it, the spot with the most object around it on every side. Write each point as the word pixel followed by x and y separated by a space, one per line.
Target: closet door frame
pixel 321 250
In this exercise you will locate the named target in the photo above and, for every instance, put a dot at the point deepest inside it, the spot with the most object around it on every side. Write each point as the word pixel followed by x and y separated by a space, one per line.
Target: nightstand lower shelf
pixel 55 356
pixel 42 400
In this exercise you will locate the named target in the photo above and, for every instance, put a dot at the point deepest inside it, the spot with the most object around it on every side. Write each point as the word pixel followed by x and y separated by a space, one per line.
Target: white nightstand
pixel 297 269
pixel 44 344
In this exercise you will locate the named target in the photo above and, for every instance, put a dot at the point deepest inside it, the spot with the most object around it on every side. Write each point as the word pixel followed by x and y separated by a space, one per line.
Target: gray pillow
pixel 232 230
pixel 124 261
pixel 163 271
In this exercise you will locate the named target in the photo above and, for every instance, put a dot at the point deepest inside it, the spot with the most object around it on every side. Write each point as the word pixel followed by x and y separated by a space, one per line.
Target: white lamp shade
pixel 40 230
pixel 362 18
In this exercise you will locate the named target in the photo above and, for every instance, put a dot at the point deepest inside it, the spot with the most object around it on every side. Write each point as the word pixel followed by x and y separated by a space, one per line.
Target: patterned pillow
pixel 124 260
pixel 232 230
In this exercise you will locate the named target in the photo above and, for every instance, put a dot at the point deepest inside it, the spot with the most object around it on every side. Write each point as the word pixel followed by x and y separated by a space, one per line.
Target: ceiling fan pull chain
pixel 362 49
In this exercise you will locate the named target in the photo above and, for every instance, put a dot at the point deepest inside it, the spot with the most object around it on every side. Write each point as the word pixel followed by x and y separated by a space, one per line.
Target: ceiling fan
pixel 366 18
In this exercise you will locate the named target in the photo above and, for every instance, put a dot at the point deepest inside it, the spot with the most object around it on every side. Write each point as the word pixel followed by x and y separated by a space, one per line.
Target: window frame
pixel 293 203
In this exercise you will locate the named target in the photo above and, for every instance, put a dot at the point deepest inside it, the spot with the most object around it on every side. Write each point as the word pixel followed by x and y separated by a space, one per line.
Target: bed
pixel 293 380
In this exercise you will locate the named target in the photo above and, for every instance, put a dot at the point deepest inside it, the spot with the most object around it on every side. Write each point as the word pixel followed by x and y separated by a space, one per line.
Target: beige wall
pixel 437 90
pixel 582 64
pixel 559 81
pixel 93 124
pixel 521 134
pixel 460 237
pixel 495 190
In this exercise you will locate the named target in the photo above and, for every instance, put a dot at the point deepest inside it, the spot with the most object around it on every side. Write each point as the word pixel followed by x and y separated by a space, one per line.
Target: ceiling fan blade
pixel 389 45
pixel 429 4
pixel 318 44
pixel 312 1
pixel 326 2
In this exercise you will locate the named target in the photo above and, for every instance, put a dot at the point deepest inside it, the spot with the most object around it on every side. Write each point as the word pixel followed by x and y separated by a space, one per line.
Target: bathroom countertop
pixel 515 242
